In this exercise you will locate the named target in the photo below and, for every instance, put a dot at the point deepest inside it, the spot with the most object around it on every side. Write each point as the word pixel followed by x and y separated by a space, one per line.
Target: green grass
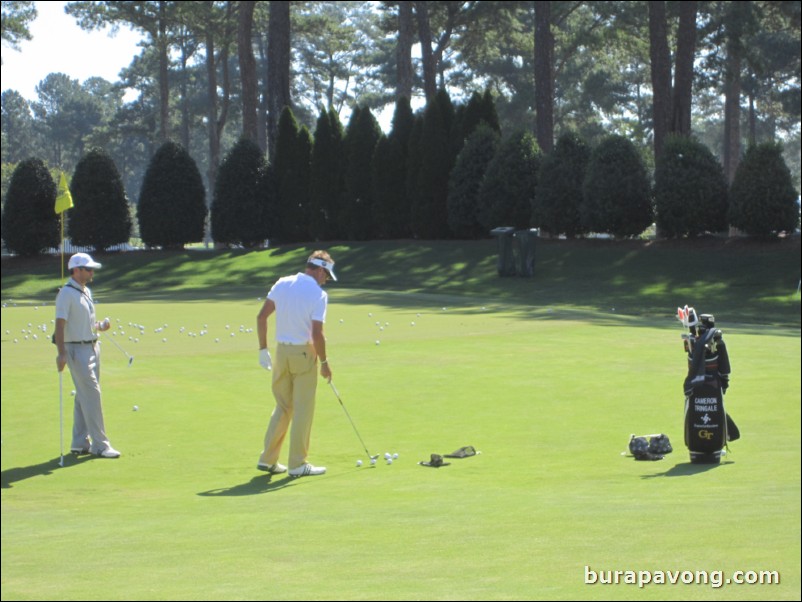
pixel 549 392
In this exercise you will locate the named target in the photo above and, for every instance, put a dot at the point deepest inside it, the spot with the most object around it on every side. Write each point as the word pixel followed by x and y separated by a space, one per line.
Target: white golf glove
pixel 264 359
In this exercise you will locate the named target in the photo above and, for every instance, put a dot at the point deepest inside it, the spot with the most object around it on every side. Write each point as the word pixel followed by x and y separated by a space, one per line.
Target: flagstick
pixel 62 245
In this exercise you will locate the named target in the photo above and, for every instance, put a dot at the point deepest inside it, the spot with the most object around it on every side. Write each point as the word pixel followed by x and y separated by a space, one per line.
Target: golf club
pixel 117 345
pixel 333 388
pixel 61 416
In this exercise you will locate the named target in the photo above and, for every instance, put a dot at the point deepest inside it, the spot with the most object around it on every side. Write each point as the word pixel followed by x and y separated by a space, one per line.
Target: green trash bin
pixel 524 242
pixel 506 261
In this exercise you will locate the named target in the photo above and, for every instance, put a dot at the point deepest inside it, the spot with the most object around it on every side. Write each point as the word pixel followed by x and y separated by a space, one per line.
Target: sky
pixel 60 46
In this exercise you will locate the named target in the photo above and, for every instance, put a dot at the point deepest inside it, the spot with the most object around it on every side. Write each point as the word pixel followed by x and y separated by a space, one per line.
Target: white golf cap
pixel 82 260
pixel 329 267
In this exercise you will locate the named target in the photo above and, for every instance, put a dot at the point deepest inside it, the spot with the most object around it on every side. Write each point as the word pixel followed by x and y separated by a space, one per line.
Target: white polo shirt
pixel 74 304
pixel 299 300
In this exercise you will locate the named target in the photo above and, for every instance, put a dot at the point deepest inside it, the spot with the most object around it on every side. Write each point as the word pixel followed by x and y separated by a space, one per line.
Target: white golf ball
pixel 387 455
pixel 372 461
pixel 359 462
pixel 389 461
pixel 378 342
pixel 395 456
pixel 136 408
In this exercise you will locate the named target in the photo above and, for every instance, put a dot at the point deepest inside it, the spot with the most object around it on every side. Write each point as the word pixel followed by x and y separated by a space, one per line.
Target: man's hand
pixel 264 359
pixel 325 371
pixel 61 361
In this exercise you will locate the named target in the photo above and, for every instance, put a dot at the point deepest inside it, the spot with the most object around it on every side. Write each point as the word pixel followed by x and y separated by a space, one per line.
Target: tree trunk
pixel 278 69
pixel 403 56
pixel 164 87
pixel 211 116
pixel 261 116
pixel 683 71
pixel 184 94
pixel 661 73
pixel 732 110
pixel 544 76
pixel 427 57
pixel 247 67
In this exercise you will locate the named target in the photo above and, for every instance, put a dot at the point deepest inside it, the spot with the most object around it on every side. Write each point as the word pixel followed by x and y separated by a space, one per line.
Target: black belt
pixel 82 342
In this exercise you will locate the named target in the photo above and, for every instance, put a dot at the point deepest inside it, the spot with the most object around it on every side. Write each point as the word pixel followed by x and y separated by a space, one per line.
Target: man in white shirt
pixel 76 340
pixel 299 303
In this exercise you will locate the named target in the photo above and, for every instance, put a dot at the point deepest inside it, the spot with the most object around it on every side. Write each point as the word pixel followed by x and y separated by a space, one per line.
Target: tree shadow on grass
pixel 687 469
pixel 14 475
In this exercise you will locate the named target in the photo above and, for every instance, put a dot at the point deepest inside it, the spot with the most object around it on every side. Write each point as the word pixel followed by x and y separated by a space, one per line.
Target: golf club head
pixel 130 361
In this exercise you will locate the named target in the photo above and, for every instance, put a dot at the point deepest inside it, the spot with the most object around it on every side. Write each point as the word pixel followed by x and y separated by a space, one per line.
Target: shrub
pixel 241 206
pixel 508 190
pixel 466 180
pixel 690 190
pixel 616 195
pixel 30 222
pixel 172 206
pixel 101 217
pixel 558 196
pixel 763 199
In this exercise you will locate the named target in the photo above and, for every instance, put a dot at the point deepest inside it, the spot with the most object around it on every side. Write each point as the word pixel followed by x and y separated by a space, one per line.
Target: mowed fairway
pixel 549 394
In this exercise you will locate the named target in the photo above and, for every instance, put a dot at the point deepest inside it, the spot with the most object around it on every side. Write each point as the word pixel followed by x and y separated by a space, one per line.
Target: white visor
pixel 329 267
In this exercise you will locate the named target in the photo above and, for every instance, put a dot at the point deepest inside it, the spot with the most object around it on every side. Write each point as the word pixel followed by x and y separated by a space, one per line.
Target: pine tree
pixel 326 177
pixel 360 141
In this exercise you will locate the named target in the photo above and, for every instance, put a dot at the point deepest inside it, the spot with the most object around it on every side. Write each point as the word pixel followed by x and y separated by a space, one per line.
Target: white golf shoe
pixel 109 452
pixel 272 468
pixel 306 470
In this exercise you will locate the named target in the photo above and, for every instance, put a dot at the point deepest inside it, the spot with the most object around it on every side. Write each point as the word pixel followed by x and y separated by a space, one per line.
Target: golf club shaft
pixel 365 447
pixel 61 416
pixel 117 345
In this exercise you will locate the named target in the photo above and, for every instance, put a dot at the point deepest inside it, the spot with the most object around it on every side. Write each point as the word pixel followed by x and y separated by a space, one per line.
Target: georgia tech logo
pixel 705 434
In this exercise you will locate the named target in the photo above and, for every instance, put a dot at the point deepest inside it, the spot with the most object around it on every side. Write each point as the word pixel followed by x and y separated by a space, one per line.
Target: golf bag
pixel 707 425
pixel 705 422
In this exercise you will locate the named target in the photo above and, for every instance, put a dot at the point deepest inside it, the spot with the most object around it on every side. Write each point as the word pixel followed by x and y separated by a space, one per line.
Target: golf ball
pixel 136 408
pixel 359 462
pixel 372 461
pixel 389 461
pixel 387 455
pixel 378 342
pixel 395 456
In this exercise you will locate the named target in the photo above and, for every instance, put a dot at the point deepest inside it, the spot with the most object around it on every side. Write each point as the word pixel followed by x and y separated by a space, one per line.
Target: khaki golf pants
pixel 84 363
pixel 294 387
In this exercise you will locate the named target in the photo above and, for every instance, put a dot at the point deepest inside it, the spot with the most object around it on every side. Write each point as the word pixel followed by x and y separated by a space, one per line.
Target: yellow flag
pixel 64 198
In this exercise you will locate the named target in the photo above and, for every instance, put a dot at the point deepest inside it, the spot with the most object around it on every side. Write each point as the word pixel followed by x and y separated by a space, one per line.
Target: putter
pixel 333 388
pixel 117 345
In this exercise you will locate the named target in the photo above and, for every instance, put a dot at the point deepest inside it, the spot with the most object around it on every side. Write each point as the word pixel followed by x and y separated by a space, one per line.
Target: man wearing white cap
pixel 76 339
pixel 299 303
